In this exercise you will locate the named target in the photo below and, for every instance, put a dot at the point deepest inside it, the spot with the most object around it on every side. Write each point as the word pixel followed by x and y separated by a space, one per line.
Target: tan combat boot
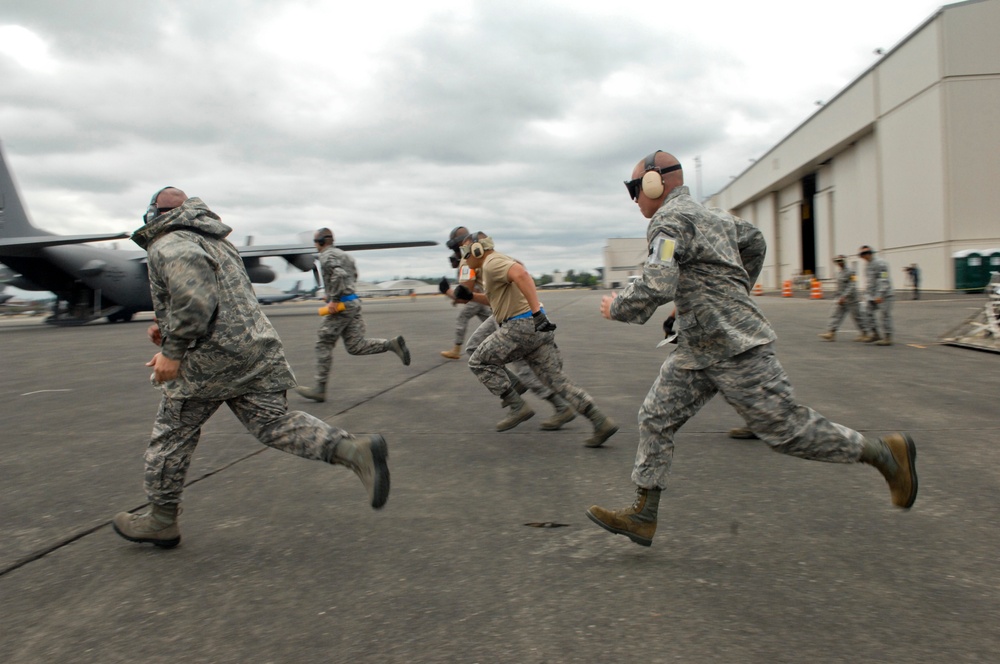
pixel 872 336
pixel 564 413
pixel 367 456
pixel 861 337
pixel 884 341
pixel 157 525
pixel 828 336
pixel 454 354
pixel 315 393
pixel 637 522
pixel 742 433
pixel 895 456
pixel 519 411
pixel 604 427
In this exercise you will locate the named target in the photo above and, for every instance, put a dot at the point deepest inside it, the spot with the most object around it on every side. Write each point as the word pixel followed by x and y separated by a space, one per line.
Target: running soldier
pixel 343 317
pixel 470 309
pixel 705 261
pixel 524 333
pixel 218 347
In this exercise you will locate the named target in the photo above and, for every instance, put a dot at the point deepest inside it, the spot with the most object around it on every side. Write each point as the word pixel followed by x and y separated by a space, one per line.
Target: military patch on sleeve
pixel 466 273
pixel 661 250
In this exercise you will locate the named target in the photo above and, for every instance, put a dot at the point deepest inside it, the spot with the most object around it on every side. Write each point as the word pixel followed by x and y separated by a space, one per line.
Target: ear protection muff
pixel 481 246
pixel 151 209
pixel 652 180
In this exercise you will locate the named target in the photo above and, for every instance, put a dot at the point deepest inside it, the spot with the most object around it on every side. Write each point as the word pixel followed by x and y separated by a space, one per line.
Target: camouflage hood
pixel 192 215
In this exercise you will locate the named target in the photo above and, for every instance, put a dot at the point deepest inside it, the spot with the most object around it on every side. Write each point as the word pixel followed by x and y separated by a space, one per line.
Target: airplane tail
pixel 14 220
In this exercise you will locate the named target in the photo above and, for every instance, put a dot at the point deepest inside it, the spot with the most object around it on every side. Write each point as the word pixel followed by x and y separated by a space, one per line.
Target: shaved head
pixel 671 180
pixel 170 198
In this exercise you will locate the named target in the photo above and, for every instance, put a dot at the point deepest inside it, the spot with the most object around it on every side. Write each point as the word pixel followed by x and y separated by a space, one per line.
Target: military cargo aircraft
pixel 295 293
pixel 94 282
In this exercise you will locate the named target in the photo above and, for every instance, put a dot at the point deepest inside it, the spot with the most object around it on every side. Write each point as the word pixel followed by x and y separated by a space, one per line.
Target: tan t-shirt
pixel 506 298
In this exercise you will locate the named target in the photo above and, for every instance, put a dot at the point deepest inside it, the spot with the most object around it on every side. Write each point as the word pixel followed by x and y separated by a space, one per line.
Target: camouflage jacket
pixel 205 306
pixel 846 285
pixel 339 273
pixel 878 283
pixel 705 261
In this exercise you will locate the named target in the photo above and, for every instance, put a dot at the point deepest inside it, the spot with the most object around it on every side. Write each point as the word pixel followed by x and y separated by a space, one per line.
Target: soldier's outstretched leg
pixel 367 456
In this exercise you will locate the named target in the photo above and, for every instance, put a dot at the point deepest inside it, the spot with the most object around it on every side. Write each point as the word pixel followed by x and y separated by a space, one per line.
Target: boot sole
pixel 641 541
pixel 380 490
pixel 163 544
pixel 911 468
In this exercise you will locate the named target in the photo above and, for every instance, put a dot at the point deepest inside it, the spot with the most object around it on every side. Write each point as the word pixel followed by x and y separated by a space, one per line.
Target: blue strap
pixel 348 298
pixel 526 314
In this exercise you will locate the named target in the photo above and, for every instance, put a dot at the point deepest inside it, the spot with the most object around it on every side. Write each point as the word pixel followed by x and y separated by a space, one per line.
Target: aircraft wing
pixel 283 250
pixel 40 241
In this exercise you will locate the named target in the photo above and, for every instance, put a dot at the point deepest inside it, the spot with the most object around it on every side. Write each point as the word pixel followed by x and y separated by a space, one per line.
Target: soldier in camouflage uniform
pixel 879 295
pixel 705 261
pixel 524 333
pixel 218 347
pixel 847 301
pixel 344 317
pixel 521 376
pixel 470 309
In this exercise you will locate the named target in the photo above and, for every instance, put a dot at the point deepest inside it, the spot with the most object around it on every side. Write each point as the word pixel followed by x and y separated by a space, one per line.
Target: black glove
pixel 872 304
pixel 443 286
pixel 542 323
pixel 455 261
pixel 668 330
pixel 462 294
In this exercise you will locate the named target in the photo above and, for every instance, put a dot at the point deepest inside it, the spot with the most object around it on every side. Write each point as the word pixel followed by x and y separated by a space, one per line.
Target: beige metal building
pixel 906 159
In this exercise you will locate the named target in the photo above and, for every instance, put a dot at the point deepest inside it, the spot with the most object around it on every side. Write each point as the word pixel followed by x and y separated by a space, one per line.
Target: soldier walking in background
pixel 878 292
pixel 218 347
pixel 705 261
pixel 847 302
pixel 344 316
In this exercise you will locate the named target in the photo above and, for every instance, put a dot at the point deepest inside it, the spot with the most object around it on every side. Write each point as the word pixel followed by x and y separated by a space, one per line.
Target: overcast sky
pixel 400 120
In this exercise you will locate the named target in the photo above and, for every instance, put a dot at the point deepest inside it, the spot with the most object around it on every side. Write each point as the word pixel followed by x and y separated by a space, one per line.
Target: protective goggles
pixel 635 186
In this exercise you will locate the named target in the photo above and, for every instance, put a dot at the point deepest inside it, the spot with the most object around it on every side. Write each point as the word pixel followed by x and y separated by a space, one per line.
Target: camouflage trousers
pixel 518 340
pixel 351 326
pixel 753 383
pixel 469 311
pixel 517 369
pixel 882 312
pixel 177 430
pixel 841 310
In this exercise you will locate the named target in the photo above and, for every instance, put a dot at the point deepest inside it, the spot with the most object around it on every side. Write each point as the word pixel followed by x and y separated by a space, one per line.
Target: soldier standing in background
pixel 524 333
pixel 705 261
pixel 847 302
pixel 344 317
pixel 470 309
pixel 218 347
pixel 879 295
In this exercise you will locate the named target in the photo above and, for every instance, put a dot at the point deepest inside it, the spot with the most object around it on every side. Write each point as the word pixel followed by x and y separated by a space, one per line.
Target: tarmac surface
pixel 759 557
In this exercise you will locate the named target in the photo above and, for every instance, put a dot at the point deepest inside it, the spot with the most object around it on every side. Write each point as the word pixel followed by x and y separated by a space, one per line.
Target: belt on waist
pixel 348 298
pixel 526 314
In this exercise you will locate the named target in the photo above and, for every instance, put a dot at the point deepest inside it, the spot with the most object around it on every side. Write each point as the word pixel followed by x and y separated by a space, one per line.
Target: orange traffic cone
pixel 758 289
pixel 786 288
pixel 817 290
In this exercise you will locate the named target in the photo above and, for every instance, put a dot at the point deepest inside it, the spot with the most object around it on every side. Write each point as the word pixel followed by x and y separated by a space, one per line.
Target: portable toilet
pixel 971 276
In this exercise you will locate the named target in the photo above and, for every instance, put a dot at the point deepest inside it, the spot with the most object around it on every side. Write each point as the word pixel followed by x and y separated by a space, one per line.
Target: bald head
pixel 170 198
pixel 653 178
